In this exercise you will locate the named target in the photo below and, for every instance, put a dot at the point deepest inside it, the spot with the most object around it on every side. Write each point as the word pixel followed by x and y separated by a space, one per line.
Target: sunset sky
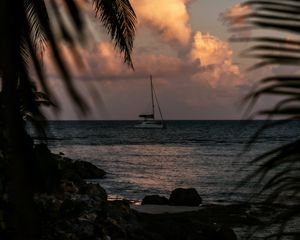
pixel 184 44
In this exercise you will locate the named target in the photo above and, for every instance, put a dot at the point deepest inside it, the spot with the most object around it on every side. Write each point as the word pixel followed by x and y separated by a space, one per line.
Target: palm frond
pixel 57 56
pixel 119 19
pixel 277 175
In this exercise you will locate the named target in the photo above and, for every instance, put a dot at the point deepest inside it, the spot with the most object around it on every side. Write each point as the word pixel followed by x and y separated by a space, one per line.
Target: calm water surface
pixel 205 155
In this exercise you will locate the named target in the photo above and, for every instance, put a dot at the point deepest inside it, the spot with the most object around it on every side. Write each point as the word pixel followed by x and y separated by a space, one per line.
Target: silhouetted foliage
pixel 25 32
pixel 279 169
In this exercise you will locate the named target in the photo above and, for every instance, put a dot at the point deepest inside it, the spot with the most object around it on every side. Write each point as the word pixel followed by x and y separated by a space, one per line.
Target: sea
pixel 213 157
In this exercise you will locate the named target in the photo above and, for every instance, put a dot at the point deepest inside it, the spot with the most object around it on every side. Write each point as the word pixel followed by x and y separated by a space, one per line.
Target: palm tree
pixel 25 30
pixel 279 169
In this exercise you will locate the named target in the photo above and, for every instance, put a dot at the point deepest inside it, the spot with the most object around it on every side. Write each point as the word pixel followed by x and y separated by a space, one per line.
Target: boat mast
pixel 152 98
pixel 158 106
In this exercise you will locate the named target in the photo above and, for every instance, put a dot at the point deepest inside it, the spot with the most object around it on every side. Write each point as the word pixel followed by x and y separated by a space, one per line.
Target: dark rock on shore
pixel 78 169
pixel 185 197
pixel 53 172
pixel 73 174
pixel 94 190
pixel 87 170
pixel 178 197
pixel 68 186
pixel 155 199
pixel 226 233
pixel 47 175
pixel 71 217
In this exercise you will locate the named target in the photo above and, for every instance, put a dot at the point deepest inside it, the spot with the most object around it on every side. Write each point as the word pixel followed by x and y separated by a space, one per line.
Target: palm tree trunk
pixel 18 154
pixel 18 151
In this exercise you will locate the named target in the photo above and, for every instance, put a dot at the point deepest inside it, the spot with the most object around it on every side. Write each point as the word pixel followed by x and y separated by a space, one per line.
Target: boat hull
pixel 150 125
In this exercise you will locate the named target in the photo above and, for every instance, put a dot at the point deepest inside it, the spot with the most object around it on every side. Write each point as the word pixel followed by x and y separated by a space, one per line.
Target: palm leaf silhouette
pixel 279 169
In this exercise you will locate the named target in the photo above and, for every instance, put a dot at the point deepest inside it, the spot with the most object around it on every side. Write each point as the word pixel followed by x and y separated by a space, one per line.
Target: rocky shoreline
pixel 75 210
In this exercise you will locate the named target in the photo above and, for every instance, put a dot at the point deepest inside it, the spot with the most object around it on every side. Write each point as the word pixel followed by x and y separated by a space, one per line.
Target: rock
pixel 71 175
pixel 115 230
pixel 62 235
pixel 86 230
pixel 45 170
pixel 48 206
pixel 70 208
pixel 226 233
pixel 69 186
pixel 87 170
pixel 185 197
pixel 93 190
pixel 89 217
pixel 155 199
pixel 125 224
pixel 76 171
pixel 119 209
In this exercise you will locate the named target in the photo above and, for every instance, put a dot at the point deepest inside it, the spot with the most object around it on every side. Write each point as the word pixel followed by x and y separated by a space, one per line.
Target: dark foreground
pixel 71 209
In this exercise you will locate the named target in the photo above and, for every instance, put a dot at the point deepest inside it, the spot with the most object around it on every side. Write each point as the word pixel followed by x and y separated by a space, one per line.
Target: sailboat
pixel 149 120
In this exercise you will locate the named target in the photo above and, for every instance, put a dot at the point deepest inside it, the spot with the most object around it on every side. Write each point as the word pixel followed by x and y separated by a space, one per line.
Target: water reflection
pixel 136 170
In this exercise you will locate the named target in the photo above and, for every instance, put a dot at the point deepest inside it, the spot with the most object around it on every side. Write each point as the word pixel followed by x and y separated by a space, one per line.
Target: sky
pixel 183 44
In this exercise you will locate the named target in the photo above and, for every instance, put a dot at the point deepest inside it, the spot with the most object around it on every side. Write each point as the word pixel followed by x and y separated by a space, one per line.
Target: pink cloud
pixel 236 14
pixel 169 18
pixel 215 56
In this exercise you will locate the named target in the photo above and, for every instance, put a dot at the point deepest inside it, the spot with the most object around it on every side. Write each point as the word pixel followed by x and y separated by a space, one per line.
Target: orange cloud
pixel 236 14
pixel 209 49
pixel 169 18
pixel 215 56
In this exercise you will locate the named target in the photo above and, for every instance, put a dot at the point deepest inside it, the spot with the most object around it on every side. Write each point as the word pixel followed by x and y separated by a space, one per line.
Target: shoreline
pixel 82 210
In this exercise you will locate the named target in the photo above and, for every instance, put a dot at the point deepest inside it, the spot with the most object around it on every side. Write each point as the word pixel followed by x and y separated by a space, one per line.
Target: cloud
pixel 209 49
pixel 235 15
pixel 204 83
pixel 215 57
pixel 168 18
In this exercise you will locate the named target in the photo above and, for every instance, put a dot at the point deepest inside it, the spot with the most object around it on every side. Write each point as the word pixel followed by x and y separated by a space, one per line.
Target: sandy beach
pixel 160 209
